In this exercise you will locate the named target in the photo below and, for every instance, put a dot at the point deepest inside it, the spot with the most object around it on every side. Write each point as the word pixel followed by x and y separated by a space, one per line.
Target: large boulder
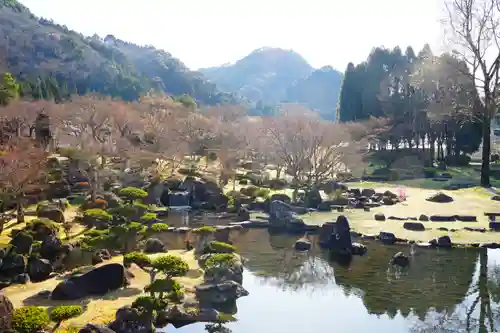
pixel 219 293
pixel 6 313
pixel 368 192
pixel 302 244
pixel 52 212
pixel 387 238
pixel 98 281
pixel 51 248
pixel 313 198
pixel 39 269
pixel 400 259
pixel 13 264
pixel 282 216
pixel 23 242
pixel 131 320
pixel 440 197
pixel 154 245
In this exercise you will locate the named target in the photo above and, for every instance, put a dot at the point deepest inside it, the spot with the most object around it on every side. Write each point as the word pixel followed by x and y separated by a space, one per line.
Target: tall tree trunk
pixel 485 165
pixel 20 209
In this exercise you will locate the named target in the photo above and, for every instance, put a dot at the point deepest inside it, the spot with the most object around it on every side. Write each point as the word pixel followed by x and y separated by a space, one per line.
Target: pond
pixel 442 291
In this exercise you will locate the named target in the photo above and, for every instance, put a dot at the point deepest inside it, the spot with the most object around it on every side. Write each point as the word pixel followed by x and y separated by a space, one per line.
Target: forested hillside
pixel 52 60
pixel 271 76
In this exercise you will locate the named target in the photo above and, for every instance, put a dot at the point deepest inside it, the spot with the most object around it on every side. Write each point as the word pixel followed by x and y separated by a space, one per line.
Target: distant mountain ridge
pixel 273 76
pixel 37 48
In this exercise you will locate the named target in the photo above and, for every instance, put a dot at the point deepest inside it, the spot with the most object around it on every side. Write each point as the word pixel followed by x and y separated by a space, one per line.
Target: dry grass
pixel 101 310
pixel 473 201
pixel 69 215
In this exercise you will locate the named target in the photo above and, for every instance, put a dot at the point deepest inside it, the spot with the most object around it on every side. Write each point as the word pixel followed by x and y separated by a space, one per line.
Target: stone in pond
pixel 379 217
pixel 359 249
pixel 466 218
pixel 495 198
pixel 387 238
pixel 400 259
pixel 443 241
pixel 98 281
pixel 442 218
pixel 440 197
pixel 423 218
pixel 302 245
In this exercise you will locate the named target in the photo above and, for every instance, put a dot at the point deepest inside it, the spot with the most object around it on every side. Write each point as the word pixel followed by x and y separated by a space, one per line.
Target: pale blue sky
pixel 204 33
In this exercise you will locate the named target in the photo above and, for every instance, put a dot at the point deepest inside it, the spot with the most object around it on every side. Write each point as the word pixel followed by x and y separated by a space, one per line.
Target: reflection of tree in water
pixel 477 314
pixel 217 328
pixel 272 257
pixel 435 279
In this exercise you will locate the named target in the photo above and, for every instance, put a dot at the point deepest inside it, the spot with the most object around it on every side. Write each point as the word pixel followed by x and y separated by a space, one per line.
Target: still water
pixel 442 291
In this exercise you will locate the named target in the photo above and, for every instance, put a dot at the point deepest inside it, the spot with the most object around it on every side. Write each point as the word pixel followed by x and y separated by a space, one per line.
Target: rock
pixel 359 249
pixel 6 313
pixel 51 212
pixel 243 215
pixel 490 246
pixel 130 320
pixel 98 281
pixel 99 256
pixel 302 244
pixel 178 316
pixel 400 259
pixel 354 192
pixel 379 217
pixel 326 233
pixel 21 278
pixel 442 218
pixel 466 218
pixel 387 238
pixel 280 197
pixel 233 273
pixel 368 192
pixel 12 265
pixel 423 218
pixel 495 198
pixel 282 216
pixel 340 239
pixel 423 245
pixel 91 328
pixel 23 242
pixel 389 194
pixel 39 269
pixel 154 245
pixel 219 293
pixel 368 237
pixel 313 198
pixel 340 201
pixel 478 229
pixel 389 201
pixel 440 197
pixel 51 248
pixel 442 229
pixel 443 241
pixel 325 206
pixel 495 226
pixel 414 226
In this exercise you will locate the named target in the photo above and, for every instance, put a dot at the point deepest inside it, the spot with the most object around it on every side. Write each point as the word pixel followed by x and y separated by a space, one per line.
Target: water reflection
pixel 442 290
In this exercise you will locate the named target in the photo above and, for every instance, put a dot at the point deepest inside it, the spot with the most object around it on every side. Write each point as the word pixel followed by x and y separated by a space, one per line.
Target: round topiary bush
pixel 64 312
pixel 159 227
pixel 219 247
pixel 132 193
pixel 30 319
pixel 148 218
pixel 96 215
pixel 204 230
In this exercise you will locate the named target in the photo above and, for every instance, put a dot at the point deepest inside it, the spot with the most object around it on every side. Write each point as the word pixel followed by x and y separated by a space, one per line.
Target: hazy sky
pixel 205 33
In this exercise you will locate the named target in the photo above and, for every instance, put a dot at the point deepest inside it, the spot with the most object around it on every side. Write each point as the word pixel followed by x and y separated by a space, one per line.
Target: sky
pixel 205 33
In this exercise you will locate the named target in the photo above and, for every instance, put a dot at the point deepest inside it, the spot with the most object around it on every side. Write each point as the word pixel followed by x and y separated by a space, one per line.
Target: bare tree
pixel 474 30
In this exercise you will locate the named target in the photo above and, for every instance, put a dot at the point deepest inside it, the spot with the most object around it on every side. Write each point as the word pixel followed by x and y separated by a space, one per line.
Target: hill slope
pixel 272 76
pixel 38 48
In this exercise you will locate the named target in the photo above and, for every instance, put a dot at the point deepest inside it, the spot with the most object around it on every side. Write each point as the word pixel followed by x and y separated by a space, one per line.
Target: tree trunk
pixel 20 210
pixel 93 190
pixel 485 165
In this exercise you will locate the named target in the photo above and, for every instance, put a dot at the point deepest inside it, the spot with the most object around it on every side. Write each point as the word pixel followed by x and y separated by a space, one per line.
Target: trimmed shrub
pixel 220 260
pixel 96 214
pixel 148 218
pixel 219 247
pixel 30 319
pixel 159 227
pixel 204 230
pixel 64 312
pixel 132 193
pixel 138 258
